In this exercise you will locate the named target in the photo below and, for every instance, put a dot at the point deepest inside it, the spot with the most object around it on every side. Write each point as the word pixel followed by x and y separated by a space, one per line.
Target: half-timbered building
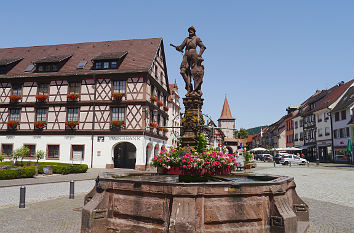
pixel 99 103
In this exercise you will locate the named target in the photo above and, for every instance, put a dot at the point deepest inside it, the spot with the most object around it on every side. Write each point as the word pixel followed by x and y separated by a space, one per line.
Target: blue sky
pixel 264 55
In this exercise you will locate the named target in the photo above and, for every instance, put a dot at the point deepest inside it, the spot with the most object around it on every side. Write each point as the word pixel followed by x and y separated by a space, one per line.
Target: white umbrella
pixel 258 149
pixel 292 149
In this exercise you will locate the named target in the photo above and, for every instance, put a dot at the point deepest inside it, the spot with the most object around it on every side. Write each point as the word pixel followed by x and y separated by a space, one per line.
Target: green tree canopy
pixel 242 133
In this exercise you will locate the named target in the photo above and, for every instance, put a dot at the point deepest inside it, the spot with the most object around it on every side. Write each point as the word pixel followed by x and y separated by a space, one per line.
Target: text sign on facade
pixel 125 138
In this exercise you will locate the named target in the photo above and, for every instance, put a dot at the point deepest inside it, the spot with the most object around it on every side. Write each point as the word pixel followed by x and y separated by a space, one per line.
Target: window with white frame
pixel 74 88
pixel 119 86
pixel 42 88
pixel 118 114
pixel 41 114
pixel 14 114
pixel 17 89
pixel 344 115
pixel 327 132
pixel 320 132
pixel 319 117
pixel 73 114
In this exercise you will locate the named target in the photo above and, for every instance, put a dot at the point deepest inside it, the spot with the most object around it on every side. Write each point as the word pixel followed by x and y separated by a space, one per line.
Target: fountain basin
pixel 172 203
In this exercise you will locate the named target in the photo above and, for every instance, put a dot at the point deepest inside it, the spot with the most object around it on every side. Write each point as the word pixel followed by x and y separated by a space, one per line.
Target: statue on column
pixel 191 66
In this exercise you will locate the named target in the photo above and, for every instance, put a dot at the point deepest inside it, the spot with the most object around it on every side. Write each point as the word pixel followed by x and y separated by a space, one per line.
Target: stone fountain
pixel 175 203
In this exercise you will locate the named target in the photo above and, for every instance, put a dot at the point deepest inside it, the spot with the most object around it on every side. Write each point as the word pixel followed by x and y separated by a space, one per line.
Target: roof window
pixel 108 60
pixel 51 63
pixel 6 64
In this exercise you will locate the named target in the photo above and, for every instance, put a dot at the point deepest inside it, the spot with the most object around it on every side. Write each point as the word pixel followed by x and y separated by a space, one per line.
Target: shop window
pixel 77 152
pixel 7 149
pixel 53 151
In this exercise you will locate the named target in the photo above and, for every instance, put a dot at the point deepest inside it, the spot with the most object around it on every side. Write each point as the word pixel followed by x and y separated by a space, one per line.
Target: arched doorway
pixel 124 155
pixel 156 149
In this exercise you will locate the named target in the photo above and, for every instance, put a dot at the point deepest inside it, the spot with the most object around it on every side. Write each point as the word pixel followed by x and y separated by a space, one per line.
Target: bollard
pixel 308 164
pixel 22 197
pixel 290 164
pixel 71 194
pixel 274 163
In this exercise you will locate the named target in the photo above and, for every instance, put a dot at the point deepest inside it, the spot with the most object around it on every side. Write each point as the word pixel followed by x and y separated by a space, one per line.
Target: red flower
pixel 117 96
pixel 153 98
pixel 160 129
pixel 165 108
pixel 165 130
pixel 159 103
pixel 117 123
pixel 12 124
pixel 153 124
pixel 71 124
pixel 15 98
pixel 72 96
pixel 41 97
pixel 40 124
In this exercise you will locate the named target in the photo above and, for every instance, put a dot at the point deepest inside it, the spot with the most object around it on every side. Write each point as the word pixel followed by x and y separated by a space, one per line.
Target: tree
pixel 242 133
pixel 2 157
pixel 201 143
pixel 39 155
pixel 21 153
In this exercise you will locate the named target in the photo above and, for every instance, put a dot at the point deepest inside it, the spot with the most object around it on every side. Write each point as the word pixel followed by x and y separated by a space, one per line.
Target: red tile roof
pixel 141 54
pixel 226 112
pixel 333 95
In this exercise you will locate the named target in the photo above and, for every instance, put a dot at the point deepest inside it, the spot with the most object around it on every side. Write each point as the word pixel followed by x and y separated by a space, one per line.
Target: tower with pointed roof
pixel 227 124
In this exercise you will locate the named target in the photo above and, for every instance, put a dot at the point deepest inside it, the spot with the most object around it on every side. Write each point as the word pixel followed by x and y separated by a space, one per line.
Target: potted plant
pixel 248 157
pixel 165 108
pixel 71 124
pixel 41 97
pixel 12 124
pixel 117 124
pixel 15 98
pixel 180 162
pixel 117 96
pixel 153 98
pixel 160 129
pixel 72 96
pixel 39 124
pixel 153 124
pixel 165 130
pixel 159 103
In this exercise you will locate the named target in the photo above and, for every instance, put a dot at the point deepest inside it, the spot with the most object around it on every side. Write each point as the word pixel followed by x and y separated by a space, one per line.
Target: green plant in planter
pixel 248 157
pixel 39 155
pixel 21 153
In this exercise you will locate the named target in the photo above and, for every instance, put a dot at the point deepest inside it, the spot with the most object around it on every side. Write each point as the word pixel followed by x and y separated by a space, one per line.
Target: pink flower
pixel 184 166
pixel 188 154
pixel 192 160
pixel 183 161
pixel 159 159
pixel 185 156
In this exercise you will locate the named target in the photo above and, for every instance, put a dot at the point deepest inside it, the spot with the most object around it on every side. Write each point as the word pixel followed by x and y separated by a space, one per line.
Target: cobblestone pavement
pixel 61 215
pixel 329 192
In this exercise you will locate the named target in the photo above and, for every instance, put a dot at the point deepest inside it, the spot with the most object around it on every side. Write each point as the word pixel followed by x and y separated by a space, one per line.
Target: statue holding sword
pixel 191 66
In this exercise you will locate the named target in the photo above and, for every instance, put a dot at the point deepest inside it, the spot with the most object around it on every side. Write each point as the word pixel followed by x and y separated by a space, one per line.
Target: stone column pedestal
pixel 192 121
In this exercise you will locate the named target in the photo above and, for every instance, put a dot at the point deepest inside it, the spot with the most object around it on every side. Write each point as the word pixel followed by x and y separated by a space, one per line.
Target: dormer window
pixel 108 60
pixel 6 64
pixel 51 63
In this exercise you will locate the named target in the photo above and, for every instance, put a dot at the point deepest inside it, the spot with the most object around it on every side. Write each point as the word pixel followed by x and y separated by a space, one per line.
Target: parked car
pixel 265 157
pixel 277 157
pixel 293 159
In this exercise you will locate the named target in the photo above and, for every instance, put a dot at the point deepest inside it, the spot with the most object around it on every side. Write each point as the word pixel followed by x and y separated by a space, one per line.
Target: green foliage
pixel 21 153
pixel 247 156
pixel 2 157
pixel 25 172
pixel 39 155
pixel 256 130
pixel 242 133
pixel 201 143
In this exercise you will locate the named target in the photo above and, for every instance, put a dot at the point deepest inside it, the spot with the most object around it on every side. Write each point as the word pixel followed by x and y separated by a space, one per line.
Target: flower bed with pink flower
pixel 180 162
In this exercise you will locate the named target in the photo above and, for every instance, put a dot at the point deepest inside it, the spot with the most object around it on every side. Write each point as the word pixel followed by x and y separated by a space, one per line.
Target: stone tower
pixel 227 123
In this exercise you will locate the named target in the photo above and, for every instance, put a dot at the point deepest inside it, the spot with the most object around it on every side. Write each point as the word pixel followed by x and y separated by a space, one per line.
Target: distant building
pixel 174 116
pixel 342 119
pixel 227 124
pixel 289 125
